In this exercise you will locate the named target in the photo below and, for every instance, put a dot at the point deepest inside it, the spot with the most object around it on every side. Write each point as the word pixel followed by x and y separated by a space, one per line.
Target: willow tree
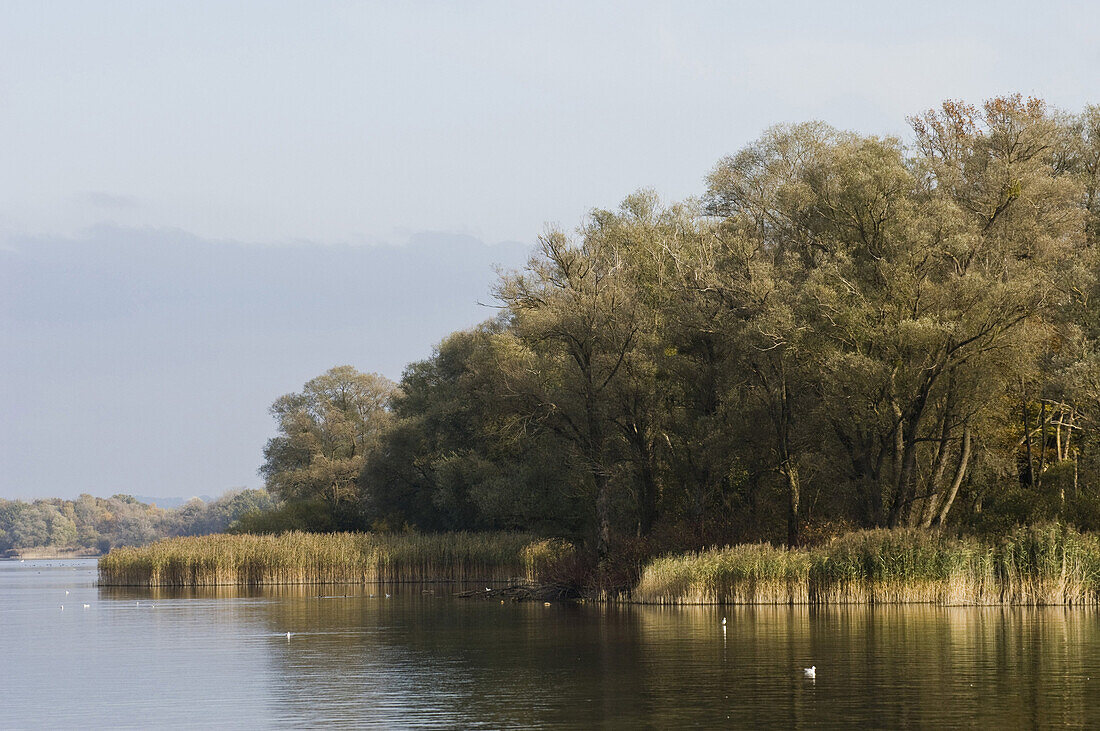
pixel 905 289
pixel 325 432
pixel 574 332
pixel 1003 270
pixel 760 273
pixel 448 461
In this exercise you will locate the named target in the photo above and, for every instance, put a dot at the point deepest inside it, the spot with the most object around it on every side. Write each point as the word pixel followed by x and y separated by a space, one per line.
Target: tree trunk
pixel 939 466
pixel 903 493
pixel 594 446
pixel 603 514
pixel 1075 494
pixel 790 471
pixel 647 495
pixel 787 465
pixel 1069 434
pixel 1042 439
pixel 960 473
pixel 1029 473
pixel 909 432
pixel 1058 434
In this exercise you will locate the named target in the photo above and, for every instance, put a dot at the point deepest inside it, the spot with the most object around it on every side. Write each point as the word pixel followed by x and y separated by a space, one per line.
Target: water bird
pixel 87 605
pixel 288 637
pixel 387 596
pixel 546 604
pixel 62 607
pixel 66 592
pixel 723 621
pixel 810 672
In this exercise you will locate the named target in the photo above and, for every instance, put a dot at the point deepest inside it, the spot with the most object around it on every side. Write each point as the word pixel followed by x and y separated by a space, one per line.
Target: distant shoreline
pixel 42 554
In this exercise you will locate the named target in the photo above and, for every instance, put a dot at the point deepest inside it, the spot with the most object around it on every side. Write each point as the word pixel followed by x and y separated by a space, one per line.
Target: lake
pixel 420 658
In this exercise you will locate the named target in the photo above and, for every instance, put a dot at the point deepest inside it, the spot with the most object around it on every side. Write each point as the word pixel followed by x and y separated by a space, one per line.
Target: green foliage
pixel 847 330
pixel 325 433
pixel 450 459
pixel 314 516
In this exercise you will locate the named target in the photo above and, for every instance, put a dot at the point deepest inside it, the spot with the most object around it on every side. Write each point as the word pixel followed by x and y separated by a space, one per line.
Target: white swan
pixel 723 621
pixel 811 672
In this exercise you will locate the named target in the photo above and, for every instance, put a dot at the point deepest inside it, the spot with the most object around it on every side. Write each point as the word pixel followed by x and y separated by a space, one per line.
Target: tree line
pixel 99 524
pixel 841 331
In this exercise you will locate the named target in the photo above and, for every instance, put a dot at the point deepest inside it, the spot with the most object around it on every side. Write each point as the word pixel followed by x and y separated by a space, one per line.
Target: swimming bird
pixel 288 637
pixel 62 607
pixel 66 592
pixel 387 596
pixel 810 672
pixel 87 605
pixel 723 621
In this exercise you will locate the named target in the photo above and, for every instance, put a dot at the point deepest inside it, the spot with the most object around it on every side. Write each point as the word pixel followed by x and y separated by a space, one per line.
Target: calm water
pixel 154 658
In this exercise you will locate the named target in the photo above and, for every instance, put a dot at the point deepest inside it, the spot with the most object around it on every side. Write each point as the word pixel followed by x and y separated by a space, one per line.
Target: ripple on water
pixel 145 656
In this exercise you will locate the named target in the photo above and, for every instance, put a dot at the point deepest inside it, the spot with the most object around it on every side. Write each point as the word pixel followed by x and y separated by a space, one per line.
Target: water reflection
pixel 426 659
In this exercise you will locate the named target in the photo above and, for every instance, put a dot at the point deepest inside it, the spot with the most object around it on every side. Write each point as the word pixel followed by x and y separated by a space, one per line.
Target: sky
pixel 205 204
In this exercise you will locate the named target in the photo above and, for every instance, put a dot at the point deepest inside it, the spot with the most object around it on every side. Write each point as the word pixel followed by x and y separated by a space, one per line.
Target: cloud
pixel 161 351
pixel 110 201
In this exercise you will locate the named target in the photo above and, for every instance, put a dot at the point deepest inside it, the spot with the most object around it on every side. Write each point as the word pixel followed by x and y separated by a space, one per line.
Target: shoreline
pixel 1046 565
pixel 42 554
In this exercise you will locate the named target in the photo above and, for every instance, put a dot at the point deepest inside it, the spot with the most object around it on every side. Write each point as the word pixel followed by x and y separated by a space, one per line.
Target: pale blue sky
pixel 156 153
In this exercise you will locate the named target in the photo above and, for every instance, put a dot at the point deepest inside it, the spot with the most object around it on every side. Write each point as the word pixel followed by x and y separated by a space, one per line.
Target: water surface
pixel 141 658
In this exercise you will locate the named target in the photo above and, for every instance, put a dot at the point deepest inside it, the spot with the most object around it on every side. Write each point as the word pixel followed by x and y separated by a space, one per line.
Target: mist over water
pixel 139 658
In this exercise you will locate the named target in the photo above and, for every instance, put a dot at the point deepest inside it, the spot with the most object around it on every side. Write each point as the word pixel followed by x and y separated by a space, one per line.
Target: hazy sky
pixel 204 204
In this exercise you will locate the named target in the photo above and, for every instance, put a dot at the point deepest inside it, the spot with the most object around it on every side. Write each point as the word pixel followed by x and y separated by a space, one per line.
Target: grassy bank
pixel 326 558
pixel 1045 565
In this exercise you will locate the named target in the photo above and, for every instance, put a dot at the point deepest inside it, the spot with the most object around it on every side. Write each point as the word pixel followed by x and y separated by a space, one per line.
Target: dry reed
pixel 1043 565
pixel 315 558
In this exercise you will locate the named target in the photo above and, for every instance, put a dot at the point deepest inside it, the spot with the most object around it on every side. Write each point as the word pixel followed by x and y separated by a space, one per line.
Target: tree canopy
pixel 325 432
pixel 843 330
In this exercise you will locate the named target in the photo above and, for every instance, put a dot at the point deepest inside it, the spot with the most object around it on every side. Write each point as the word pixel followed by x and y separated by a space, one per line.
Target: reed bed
pixel 548 559
pixel 319 558
pixel 747 574
pixel 1043 565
